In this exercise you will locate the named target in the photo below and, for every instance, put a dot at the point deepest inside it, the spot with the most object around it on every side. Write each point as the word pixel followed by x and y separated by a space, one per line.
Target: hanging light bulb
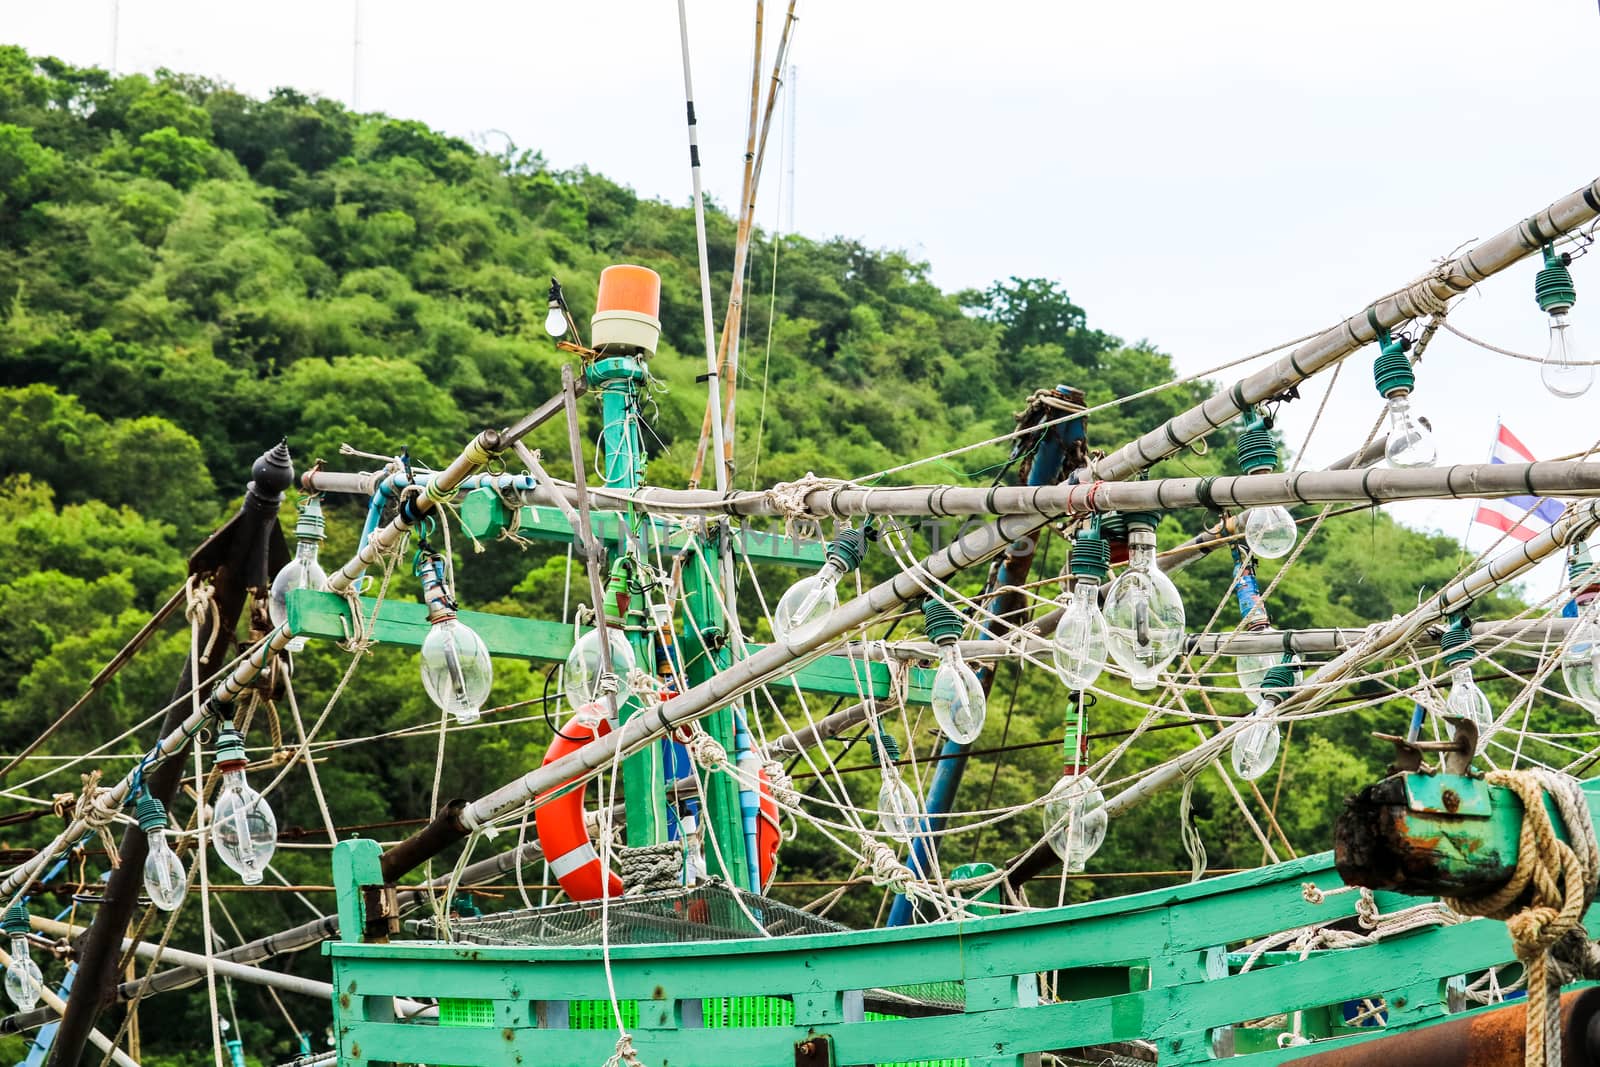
pixel 1255 748
pixel 243 829
pixel 1079 645
pixel 1410 444
pixel 23 977
pixel 165 880
pixel 1143 611
pixel 1075 808
pixel 456 671
pixel 555 322
pixel 805 603
pixel 1565 371
pixel 1269 531
pixel 1466 700
pixel 302 572
pixel 956 696
pixel 1580 662
pixel 899 811
pixel 584 670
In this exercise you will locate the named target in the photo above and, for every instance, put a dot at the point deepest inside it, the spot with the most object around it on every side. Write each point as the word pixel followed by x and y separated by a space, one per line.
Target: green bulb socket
pixel 1391 371
pixel 887 746
pixel 1090 557
pixel 848 548
pixel 1553 287
pixel 230 745
pixel 16 921
pixel 1113 526
pixel 1580 567
pixel 1457 644
pixel 1279 677
pixel 942 622
pixel 152 813
pixel 310 526
pixel 1148 519
pixel 1254 446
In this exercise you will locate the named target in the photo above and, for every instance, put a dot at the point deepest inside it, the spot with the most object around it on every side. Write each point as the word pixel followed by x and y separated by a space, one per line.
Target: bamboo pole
pixel 1371 485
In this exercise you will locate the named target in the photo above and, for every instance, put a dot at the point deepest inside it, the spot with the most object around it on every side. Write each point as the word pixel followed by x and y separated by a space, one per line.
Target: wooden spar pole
pixel 239 559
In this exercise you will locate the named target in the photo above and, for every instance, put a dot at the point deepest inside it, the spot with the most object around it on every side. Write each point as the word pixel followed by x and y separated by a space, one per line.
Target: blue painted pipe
pixel 947 772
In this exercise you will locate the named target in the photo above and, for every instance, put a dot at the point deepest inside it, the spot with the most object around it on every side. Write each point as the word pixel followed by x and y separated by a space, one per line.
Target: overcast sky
pixel 1212 177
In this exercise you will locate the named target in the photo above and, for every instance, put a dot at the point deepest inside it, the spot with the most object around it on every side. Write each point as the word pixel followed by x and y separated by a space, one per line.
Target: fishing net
pixel 709 911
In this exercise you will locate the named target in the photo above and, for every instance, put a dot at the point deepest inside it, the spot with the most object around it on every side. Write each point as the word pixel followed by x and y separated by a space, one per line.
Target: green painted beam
pixel 484 516
pixel 405 623
pixel 1172 930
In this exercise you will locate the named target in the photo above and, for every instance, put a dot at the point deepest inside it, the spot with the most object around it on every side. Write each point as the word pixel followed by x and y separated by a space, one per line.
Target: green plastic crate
pixel 460 1011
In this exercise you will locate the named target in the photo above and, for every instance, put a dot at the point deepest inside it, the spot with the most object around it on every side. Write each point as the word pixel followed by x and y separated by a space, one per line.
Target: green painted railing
pixel 1150 966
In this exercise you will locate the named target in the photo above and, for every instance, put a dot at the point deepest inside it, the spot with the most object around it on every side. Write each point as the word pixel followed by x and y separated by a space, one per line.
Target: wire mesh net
pixel 710 911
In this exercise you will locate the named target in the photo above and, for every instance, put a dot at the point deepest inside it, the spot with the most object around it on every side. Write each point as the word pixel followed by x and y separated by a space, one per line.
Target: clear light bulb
pixel 1144 617
pixel 1079 646
pixel 1409 445
pixel 899 812
pixel 456 671
pixel 805 603
pixel 165 880
pixel 555 323
pixel 1252 670
pixel 23 977
pixel 1075 820
pixel 243 828
pixel 302 572
pixel 580 675
pixel 1564 372
pixel 1270 532
pixel 1466 701
pixel 957 697
pixel 1255 748
pixel 1580 664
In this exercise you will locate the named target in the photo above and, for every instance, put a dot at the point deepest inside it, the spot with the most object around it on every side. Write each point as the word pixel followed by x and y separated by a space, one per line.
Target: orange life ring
pixel 571 854
pixel 559 823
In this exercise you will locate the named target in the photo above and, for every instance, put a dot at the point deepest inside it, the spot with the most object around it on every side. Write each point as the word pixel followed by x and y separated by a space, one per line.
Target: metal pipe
pixel 1492 1038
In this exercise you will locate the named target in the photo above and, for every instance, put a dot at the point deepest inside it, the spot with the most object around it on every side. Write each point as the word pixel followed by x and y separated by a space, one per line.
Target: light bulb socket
pixel 230 745
pixel 848 548
pixel 1148 519
pixel 1279 678
pixel 1113 527
pixel 888 747
pixel 16 921
pixel 310 525
pixel 1456 643
pixel 1581 571
pixel 1391 371
pixel 1552 286
pixel 942 623
pixel 1090 556
pixel 152 813
pixel 1254 446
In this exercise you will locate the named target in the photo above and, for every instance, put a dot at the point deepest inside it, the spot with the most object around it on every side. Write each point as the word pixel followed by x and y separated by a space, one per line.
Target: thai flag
pixel 1522 517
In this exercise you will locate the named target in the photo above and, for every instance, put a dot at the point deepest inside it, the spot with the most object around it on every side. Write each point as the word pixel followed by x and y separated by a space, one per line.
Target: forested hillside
pixel 188 274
